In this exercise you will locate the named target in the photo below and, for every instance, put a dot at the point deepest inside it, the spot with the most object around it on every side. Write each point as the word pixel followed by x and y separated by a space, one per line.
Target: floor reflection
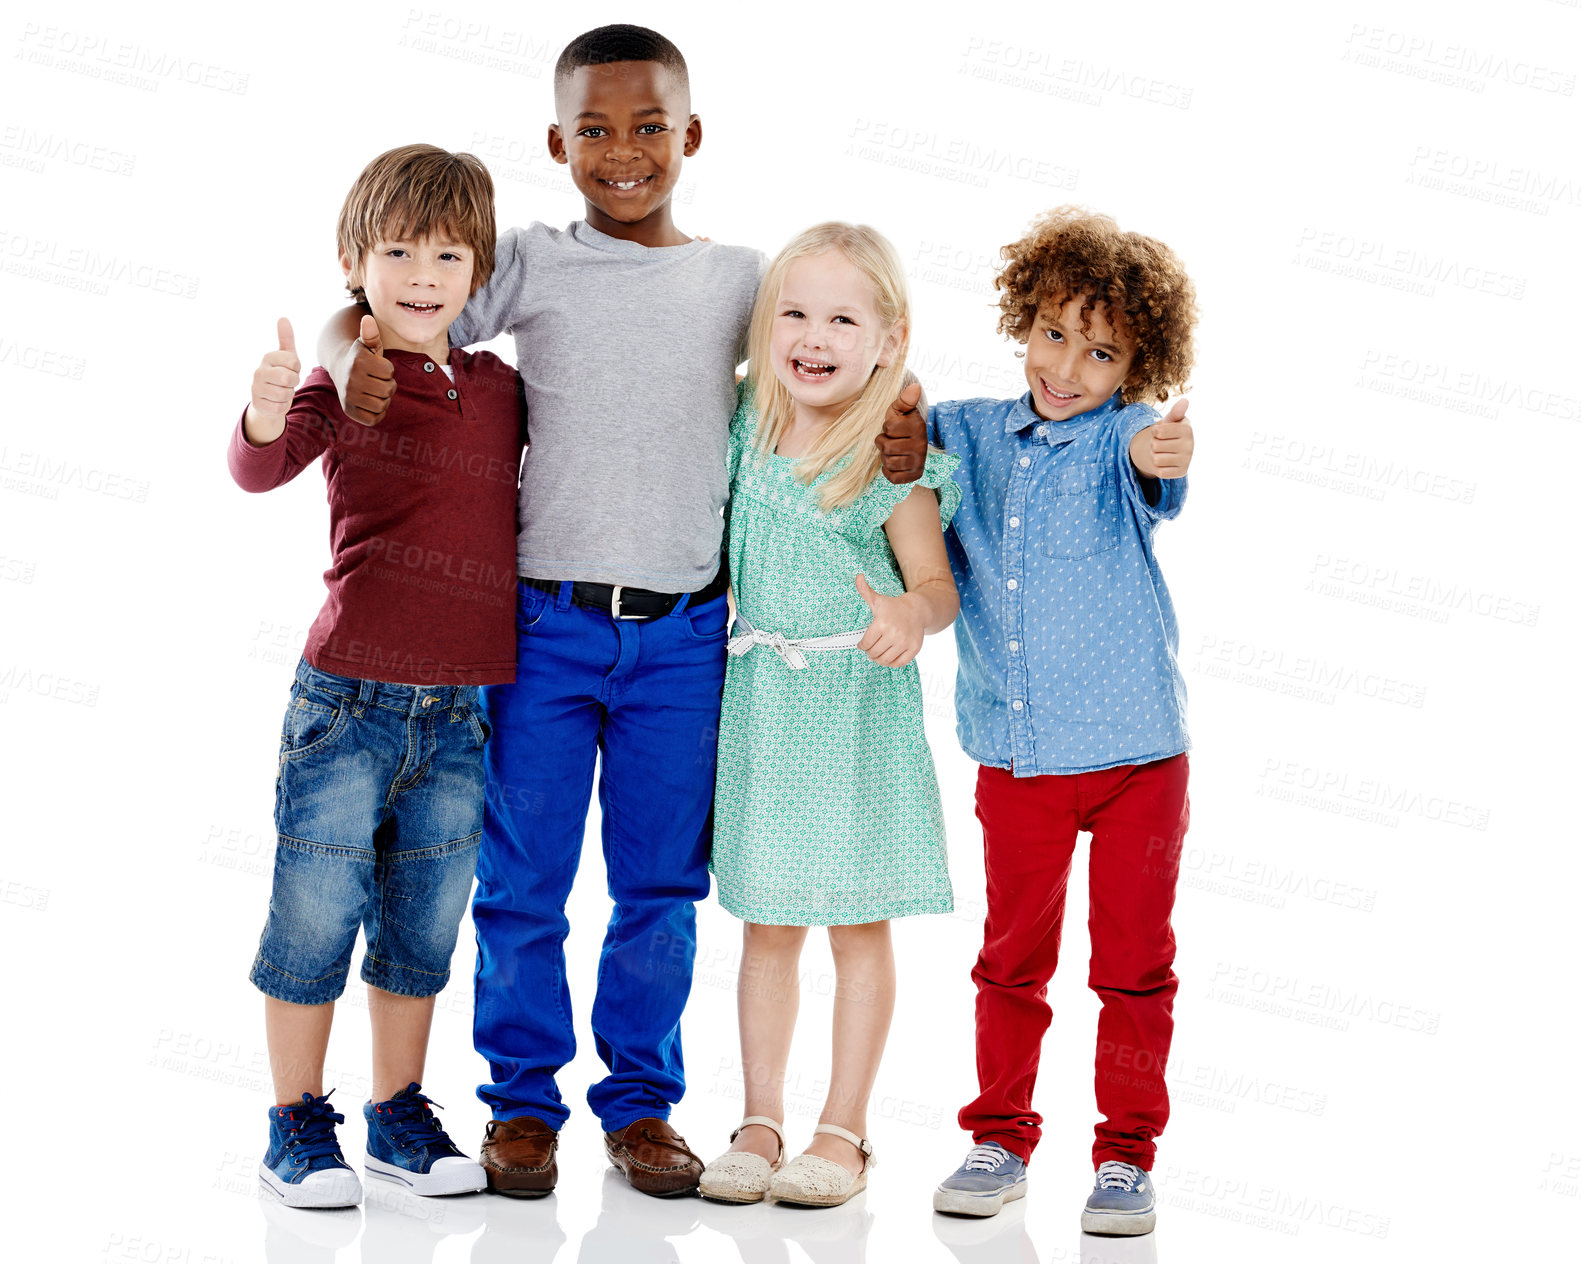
pixel 405 1229
pixel 1001 1239
pixel 518 1231
pixel 826 1235
pixel 1142 1249
pixel 633 1226
pixel 298 1235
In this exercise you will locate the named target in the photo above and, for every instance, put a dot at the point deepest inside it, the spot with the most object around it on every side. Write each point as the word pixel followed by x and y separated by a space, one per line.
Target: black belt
pixel 620 602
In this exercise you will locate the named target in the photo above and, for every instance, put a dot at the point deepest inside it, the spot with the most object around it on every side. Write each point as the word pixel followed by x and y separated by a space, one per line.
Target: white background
pixel 1378 202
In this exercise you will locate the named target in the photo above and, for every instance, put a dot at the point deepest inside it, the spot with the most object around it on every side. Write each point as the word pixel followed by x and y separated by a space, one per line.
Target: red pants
pixel 1138 816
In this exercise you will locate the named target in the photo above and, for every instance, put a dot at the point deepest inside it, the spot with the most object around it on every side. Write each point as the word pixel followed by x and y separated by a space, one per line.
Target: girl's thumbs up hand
pixel 895 635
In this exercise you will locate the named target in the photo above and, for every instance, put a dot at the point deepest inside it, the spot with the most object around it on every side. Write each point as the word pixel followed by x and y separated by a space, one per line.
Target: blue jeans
pixel 644 695
pixel 378 808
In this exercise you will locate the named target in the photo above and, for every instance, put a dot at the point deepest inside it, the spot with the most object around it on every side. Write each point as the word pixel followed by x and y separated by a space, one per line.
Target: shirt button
pixel 450 394
pixel 1015 647
pixel 1016 704
pixel 1025 461
pixel 429 367
pixel 1015 522
pixel 1043 430
pixel 1011 584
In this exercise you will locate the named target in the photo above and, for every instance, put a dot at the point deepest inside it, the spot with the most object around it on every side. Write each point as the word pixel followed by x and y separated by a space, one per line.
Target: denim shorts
pixel 379 808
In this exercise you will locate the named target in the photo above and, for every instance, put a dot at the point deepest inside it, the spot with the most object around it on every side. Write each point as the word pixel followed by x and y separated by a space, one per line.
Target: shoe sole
pixel 1118 1224
pixel 714 1196
pixel 520 1193
pixel 344 1191
pixel 428 1184
pixel 955 1202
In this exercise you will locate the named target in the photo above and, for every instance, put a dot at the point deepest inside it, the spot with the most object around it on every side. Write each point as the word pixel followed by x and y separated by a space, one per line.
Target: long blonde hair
pixel 852 435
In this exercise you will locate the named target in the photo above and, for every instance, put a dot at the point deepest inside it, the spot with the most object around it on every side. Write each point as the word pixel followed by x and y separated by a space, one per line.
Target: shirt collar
pixel 416 359
pixel 1022 415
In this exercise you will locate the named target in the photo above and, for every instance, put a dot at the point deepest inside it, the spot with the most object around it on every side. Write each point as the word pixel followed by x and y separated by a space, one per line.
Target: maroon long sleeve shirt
pixel 422 520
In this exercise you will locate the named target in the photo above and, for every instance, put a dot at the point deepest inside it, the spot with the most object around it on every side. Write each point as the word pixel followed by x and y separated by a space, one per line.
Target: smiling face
pixel 623 129
pixel 415 289
pixel 828 336
pixel 1072 372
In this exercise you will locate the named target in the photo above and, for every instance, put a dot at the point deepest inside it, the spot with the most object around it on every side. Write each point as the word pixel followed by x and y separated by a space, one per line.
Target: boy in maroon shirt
pixel 379 803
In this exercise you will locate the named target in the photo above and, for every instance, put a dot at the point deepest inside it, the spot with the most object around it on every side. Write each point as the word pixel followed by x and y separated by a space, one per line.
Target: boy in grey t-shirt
pixel 628 333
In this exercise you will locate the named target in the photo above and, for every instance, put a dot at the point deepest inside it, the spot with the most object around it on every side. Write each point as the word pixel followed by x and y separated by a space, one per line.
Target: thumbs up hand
pixel 895 635
pixel 1163 450
pixel 370 380
pixel 275 381
pixel 274 386
pixel 903 442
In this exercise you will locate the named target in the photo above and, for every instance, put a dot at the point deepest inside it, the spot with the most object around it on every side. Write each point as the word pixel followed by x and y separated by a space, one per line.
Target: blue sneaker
pixel 303 1166
pixel 990 1178
pixel 406 1145
pixel 1121 1201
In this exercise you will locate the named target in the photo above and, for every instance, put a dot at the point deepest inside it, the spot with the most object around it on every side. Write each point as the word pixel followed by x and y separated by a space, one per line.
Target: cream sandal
pixel 738 1177
pixel 809 1180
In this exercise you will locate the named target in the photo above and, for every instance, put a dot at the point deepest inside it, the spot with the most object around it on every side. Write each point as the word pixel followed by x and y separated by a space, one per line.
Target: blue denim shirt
pixel 1067 638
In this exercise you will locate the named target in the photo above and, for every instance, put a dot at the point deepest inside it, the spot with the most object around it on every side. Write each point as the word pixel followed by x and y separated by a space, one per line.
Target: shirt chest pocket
pixel 1081 512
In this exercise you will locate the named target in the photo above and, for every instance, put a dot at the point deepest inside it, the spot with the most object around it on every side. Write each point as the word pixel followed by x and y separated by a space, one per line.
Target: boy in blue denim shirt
pixel 1069 694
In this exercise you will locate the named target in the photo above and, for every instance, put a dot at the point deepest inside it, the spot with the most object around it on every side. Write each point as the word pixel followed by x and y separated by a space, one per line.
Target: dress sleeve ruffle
pixel 743 424
pixel 869 512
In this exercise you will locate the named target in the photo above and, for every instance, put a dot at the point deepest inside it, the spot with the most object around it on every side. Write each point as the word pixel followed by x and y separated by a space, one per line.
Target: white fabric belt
pixel 790 651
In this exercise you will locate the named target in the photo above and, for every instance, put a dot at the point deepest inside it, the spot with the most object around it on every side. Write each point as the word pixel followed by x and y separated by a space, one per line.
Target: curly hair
pixel 1142 287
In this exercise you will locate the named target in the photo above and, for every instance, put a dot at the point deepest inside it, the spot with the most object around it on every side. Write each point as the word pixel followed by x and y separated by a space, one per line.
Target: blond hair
pixel 852 435
pixel 416 191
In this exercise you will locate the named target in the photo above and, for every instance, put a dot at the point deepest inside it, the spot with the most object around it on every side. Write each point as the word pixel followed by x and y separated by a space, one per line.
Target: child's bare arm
pixel 274 386
pixel 350 350
pixel 1163 450
pixel 930 603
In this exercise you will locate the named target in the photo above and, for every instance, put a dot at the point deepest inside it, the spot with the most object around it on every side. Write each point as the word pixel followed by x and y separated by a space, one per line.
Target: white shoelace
pixel 985 1158
pixel 1116 1175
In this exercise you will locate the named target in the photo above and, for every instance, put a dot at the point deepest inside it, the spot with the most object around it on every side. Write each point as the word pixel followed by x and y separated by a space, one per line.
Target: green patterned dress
pixel 826 808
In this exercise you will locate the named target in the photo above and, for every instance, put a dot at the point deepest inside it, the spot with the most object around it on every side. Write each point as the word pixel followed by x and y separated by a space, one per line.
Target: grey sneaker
pixel 1121 1201
pixel 990 1178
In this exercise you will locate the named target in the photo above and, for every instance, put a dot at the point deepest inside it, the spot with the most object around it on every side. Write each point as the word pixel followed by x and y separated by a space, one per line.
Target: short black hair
pixel 620 42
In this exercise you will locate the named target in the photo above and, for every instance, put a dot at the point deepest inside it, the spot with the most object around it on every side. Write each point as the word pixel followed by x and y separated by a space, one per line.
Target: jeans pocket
pixel 530 606
pixel 311 725
pixel 707 622
pixel 1082 516
pixel 479 727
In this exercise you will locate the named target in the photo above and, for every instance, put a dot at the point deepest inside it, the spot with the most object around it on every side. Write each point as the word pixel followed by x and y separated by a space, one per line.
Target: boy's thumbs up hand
pixel 1163 450
pixel 370 381
pixel 895 635
pixel 275 380
pixel 904 439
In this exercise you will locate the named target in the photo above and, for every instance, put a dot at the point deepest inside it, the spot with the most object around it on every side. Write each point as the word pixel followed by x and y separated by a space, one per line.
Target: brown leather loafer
pixel 654 1158
pixel 518 1157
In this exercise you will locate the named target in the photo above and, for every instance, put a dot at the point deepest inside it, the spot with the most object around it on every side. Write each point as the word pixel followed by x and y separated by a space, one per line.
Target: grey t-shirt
pixel 628 354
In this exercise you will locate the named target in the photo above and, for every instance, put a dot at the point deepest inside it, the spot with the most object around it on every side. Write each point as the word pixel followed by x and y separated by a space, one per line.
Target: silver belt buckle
pixel 614 606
